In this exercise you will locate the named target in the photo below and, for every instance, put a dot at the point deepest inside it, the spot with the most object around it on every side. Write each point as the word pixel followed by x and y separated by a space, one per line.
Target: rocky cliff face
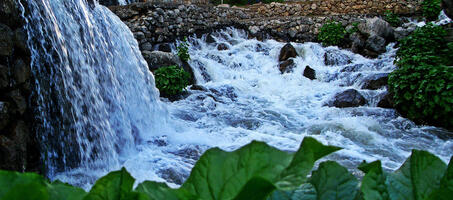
pixel 18 144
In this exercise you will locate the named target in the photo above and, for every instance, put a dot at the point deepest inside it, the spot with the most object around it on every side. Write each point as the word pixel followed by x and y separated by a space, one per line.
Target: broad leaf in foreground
pixel 373 183
pixel 223 175
pixel 116 185
pixel 333 182
pixel 445 192
pixel 417 178
pixel 157 191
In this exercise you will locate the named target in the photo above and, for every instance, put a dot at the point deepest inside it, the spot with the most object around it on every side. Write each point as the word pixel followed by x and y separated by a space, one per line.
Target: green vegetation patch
pixel 257 172
pixel 431 9
pixel 171 80
pixel 332 33
pixel 392 18
pixel 423 83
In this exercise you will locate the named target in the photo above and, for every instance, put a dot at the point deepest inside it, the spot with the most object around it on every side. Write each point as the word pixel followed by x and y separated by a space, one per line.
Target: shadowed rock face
pixel 348 98
pixel 447 5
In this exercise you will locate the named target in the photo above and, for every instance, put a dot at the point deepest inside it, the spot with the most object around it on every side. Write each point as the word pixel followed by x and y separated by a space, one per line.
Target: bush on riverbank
pixel 171 80
pixel 260 172
pixel 431 9
pixel 423 83
pixel 332 33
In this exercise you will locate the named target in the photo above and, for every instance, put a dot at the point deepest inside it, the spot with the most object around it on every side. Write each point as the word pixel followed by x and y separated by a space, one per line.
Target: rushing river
pixel 99 109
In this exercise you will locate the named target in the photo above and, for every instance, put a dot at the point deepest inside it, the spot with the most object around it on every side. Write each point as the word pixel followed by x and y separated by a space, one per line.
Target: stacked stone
pixel 18 147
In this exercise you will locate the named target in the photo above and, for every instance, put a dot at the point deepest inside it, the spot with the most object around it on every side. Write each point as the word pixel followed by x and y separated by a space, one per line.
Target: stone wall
pixel 18 147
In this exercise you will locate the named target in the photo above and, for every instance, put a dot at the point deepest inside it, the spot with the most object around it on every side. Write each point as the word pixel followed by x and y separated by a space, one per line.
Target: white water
pixel 99 108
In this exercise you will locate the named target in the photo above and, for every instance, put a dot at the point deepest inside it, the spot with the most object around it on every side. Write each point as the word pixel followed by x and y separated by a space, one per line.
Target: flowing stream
pixel 99 109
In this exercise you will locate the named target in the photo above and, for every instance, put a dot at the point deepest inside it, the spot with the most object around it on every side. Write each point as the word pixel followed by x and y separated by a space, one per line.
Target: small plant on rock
pixel 332 33
pixel 171 80
pixel 183 50
pixel 431 9
pixel 392 18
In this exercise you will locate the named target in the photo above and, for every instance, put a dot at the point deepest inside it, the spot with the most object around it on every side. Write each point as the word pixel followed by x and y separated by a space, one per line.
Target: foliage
pixel 332 33
pixel 171 80
pixel 183 50
pixel 354 28
pixel 431 9
pixel 257 172
pixel 392 18
pixel 423 83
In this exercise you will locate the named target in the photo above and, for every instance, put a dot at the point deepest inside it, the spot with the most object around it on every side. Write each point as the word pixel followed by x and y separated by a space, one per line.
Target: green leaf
pixel 445 192
pixel 417 178
pixel 157 191
pixel 334 182
pixel 224 175
pixel 62 191
pixel 304 192
pixel 116 185
pixel 13 185
pixel 373 183
pixel 255 189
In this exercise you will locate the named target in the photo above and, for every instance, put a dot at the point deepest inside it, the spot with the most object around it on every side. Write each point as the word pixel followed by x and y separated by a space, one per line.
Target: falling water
pixel 96 96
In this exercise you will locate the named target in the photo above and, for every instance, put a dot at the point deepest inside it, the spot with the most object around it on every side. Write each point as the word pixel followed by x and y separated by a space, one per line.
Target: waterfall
pixel 96 97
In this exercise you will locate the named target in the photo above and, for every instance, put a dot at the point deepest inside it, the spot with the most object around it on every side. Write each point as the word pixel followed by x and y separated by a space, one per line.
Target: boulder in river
pixel 309 73
pixel 288 51
pixel 375 81
pixel 348 98
pixel 377 26
pixel 157 59
pixel 386 101
pixel 336 57
pixel 376 44
pixel 286 66
pixel 222 46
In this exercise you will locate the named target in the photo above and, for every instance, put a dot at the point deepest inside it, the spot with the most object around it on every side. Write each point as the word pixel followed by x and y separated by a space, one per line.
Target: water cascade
pixel 99 110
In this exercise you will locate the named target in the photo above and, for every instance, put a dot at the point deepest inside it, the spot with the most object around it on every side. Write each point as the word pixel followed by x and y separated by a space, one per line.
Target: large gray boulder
pixel 348 98
pixel 157 59
pixel 375 81
pixel 376 44
pixel 377 26
pixel 336 57
pixel 288 51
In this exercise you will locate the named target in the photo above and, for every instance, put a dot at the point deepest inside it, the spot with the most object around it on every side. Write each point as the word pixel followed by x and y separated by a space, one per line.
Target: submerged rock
pixel 309 73
pixel 287 66
pixel 288 51
pixel 222 46
pixel 348 98
pixel 386 101
pixel 375 81
pixel 336 57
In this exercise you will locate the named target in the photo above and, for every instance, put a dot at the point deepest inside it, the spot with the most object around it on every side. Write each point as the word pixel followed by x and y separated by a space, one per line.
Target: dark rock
pixel 20 41
pixel 21 71
pixel 401 32
pixel 309 73
pixel 286 66
pixel 348 98
pixel 375 81
pixel 210 39
pixel 146 46
pixel 6 40
pixel 13 148
pixel 109 2
pixel 20 103
pixel 375 43
pixel 4 116
pixel 336 57
pixel 191 152
pixel 222 46
pixel 157 59
pixel 377 26
pixel 186 66
pixel 198 87
pixel 357 42
pixel 386 101
pixel 4 77
pixel 352 68
pixel 447 5
pixel 165 47
pixel 287 51
pixel 9 13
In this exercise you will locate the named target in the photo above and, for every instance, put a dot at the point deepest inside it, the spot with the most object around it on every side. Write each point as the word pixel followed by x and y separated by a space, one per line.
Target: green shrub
pixel 171 80
pixel 431 9
pixel 392 18
pixel 423 83
pixel 332 33
pixel 259 172
pixel 183 50
pixel 354 28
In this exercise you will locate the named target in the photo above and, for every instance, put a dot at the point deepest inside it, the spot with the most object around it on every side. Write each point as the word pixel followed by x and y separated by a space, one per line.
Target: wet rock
pixel 4 77
pixel 9 13
pixel 147 46
pixel 447 5
pixel 6 40
pixel 222 46
pixel 20 41
pixel 210 39
pixel 286 66
pixel 173 176
pixel 13 148
pixel 20 103
pixel 375 81
pixel 348 98
pixel 386 101
pixel 336 57
pixel 190 152
pixel 198 87
pixel 309 73
pixel 287 51
pixel 157 59
pixel 401 32
pixel 357 42
pixel 377 26
pixel 352 68
pixel 4 117
pixel 165 47
pixel 21 71
pixel 375 43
